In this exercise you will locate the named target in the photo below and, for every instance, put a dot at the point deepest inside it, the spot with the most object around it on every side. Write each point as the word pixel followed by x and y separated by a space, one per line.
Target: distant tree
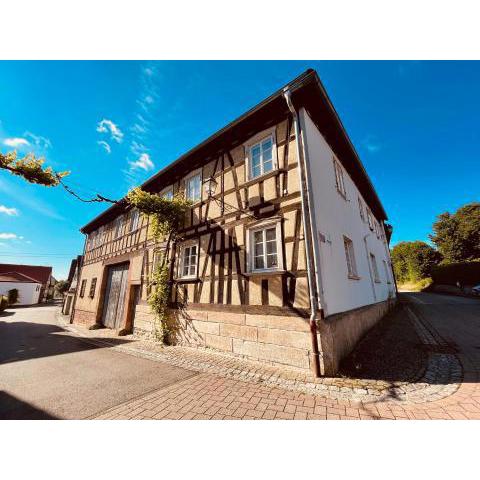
pixel 31 169
pixel 457 235
pixel 413 261
pixel 62 286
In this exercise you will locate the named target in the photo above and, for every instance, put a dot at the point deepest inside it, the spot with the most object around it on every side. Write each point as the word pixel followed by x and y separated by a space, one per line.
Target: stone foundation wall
pixel 144 322
pixel 339 333
pixel 274 339
pixel 82 317
pixel 270 338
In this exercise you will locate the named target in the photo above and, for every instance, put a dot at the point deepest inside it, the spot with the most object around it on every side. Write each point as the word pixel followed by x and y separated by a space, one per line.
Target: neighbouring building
pixel 40 274
pixel 73 276
pixel 283 256
pixel 28 288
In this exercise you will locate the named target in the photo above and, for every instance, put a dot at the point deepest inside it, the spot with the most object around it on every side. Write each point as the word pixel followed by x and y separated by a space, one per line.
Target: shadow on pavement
pixel 12 408
pixel 391 351
pixel 25 340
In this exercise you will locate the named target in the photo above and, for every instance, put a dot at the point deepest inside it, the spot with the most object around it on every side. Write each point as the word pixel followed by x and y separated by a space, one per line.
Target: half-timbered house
pixel 283 256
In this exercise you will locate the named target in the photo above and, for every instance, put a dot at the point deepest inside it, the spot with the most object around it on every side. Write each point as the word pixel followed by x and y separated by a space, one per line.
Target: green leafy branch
pixel 166 216
pixel 31 169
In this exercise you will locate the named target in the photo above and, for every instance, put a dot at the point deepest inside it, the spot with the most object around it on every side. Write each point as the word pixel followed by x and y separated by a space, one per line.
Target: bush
pixel 3 302
pixel 467 273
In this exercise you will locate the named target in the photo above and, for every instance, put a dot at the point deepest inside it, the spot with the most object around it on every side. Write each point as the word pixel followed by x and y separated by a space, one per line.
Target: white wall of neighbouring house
pixel 335 218
pixel 28 293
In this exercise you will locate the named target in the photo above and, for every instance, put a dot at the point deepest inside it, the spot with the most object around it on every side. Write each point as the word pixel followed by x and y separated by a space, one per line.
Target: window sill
pixel 265 273
pixel 186 280
pixel 265 176
pixel 354 277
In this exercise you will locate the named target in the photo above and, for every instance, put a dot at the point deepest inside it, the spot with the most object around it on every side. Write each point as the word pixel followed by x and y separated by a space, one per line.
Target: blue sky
pixel 113 124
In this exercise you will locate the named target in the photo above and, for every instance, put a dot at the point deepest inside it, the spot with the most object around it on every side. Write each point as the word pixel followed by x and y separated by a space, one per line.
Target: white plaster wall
pixel 336 217
pixel 27 292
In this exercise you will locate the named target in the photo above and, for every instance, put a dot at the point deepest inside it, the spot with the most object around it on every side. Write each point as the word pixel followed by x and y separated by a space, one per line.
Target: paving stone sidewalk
pixel 438 378
pixel 229 387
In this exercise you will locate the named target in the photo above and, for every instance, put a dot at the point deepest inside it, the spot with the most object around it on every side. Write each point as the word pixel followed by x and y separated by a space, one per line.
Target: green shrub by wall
pixel 467 273
pixel 3 302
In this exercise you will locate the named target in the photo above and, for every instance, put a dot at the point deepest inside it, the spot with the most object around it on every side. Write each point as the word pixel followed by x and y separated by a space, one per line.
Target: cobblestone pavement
pixel 232 388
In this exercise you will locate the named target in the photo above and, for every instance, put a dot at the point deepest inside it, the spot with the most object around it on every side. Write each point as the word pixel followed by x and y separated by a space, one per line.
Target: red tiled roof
pixel 16 277
pixel 36 272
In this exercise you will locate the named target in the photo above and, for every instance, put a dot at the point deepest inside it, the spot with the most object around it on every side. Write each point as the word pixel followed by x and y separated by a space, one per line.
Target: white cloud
pixel 372 144
pixel 11 212
pixel 16 142
pixel 138 129
pixel 38 140
pixel 8 236
pixel 137 148
pixel 143 162
pixel 105 145
pixel 107 126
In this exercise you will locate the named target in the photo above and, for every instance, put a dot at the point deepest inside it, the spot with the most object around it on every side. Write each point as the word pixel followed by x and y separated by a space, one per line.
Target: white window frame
pixel 251 246
pixel 373 262
pixel 99 236
pixel 361 209
pixel 166 191
pixel 91 240
pixel 370 219
pixel 190 177
pixel 134 219
pixel 339 177
pixel 117 227
pixel 387 274
pixel 352 270
pixel 182 260
pixel 259 138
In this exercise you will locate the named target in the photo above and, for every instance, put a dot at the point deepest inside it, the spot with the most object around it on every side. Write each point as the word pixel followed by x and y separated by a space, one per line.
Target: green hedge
pixel 3 303
pixel 467 273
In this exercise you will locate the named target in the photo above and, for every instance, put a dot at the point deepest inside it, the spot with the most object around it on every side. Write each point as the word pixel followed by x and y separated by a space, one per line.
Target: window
pixel 134 217
pixel 265 248
pixel 387 276
pixel 261 157
pixel 193 187
pixel 373 260
pixel 370 220
pixel 93 284
pixel 360 208
pixel 339 181
pixel 350 256
pixel 98 237
pixel 117 227
pixel 83 286
pixel 91 241
pixel 189 261
pixel 167 194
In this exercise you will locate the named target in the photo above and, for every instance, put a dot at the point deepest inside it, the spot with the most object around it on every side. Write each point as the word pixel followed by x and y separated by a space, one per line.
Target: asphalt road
pixel 456 320
pixel 46 372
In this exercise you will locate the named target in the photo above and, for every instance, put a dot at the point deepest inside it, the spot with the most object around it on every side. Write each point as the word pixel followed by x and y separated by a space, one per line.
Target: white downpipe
pixel 306 223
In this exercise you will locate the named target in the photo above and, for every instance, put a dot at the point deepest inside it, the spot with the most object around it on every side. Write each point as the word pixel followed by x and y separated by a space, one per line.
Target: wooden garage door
pixel 114 303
